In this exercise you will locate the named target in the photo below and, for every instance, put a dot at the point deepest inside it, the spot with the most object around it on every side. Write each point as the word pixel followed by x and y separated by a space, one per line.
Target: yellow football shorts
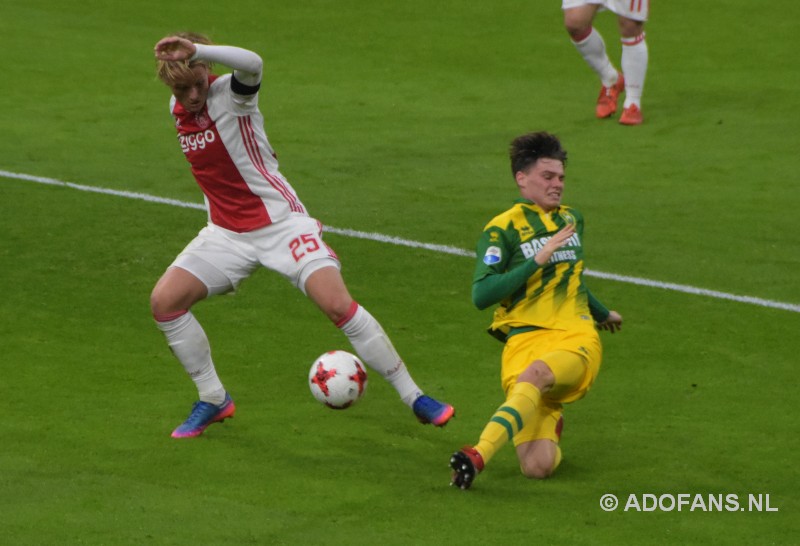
pixel 573 356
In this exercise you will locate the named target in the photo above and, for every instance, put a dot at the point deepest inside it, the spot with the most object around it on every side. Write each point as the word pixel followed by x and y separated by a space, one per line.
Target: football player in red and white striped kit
pixel 255 219
pixel 631 16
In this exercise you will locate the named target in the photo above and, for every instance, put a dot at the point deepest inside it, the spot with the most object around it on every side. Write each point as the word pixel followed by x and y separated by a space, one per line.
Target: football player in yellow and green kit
pixel 530 262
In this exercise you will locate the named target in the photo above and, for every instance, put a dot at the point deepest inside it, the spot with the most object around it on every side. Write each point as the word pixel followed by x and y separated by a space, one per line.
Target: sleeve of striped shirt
pixel 494 288
pixel 598 310
pixel 247 65
pixel 492 282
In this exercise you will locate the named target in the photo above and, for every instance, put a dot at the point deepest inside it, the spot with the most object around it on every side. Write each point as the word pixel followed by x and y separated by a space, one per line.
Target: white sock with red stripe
pixel 190 345
pixel 593 50
pixel 634 67
pixel 373 346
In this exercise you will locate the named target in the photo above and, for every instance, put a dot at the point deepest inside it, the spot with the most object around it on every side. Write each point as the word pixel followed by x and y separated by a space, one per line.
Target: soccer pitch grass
pixel 390 119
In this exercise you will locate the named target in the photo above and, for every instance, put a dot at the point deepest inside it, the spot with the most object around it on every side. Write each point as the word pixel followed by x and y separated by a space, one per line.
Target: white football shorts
pixel 222 259
pixel 638 10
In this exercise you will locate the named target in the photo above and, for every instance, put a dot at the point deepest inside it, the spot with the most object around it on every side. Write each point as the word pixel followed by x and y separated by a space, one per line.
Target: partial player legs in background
pixel 609 98
pixel 634 66
pixel 593 50
pixel 578 19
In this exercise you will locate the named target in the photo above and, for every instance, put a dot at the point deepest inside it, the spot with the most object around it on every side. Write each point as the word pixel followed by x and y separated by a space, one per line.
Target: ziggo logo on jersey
pixel 197 141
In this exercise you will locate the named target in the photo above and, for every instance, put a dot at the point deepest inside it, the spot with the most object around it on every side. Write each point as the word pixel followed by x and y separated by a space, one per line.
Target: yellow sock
pixel 519 406
pixel 558 458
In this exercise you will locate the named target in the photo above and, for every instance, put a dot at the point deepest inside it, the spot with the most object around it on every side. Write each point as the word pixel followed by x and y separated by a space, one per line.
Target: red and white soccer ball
pixel 338 379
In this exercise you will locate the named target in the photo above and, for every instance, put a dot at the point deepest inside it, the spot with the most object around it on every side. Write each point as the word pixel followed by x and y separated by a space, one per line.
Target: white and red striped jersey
pixel 232 160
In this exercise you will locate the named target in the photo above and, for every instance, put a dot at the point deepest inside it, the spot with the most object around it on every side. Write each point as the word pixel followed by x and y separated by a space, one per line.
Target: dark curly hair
pixel 528 149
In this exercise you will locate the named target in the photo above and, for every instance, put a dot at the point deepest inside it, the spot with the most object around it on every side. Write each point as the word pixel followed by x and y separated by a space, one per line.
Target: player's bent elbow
pixel 480 300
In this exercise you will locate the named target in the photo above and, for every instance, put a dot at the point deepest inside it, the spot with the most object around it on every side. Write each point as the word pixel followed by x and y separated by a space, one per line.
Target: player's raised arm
pixel 246 64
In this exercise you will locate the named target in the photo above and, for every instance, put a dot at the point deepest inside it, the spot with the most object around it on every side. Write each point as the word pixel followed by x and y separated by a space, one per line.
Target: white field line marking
pixel 444 249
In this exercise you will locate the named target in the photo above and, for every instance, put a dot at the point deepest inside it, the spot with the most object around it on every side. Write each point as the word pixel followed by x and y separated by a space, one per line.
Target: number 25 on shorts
pixel 306 243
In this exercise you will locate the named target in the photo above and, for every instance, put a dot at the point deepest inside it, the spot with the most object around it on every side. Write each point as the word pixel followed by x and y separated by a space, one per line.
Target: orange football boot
pixel 631 115
pixel 609 96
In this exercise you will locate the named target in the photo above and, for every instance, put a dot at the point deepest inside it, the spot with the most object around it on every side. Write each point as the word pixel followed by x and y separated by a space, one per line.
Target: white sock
pixel 190 345
pixel 373 346
pixel 634 67
pixel 593 50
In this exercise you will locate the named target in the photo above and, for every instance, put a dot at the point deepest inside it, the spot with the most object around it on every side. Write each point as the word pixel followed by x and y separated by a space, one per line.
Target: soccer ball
pixel 338 379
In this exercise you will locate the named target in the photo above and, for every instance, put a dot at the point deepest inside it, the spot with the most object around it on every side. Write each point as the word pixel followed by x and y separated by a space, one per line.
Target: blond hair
pixel 171 71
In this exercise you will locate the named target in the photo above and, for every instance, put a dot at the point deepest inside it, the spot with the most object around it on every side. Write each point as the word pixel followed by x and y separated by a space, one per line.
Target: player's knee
pixel 538 374
pixel 537 469
pixel 157 302
pixel 327 290
pixel 163 302
pixel 628 28
pixel 577 31
pixel 577 25
pixel 578 21
pixel 338 309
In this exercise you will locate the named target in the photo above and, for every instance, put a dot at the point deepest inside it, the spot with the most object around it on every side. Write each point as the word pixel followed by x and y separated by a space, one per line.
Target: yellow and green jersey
pixel 552 296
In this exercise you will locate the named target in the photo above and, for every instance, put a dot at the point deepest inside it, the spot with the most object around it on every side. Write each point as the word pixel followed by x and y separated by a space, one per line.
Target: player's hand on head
pixel 174 48
pixel 612 324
